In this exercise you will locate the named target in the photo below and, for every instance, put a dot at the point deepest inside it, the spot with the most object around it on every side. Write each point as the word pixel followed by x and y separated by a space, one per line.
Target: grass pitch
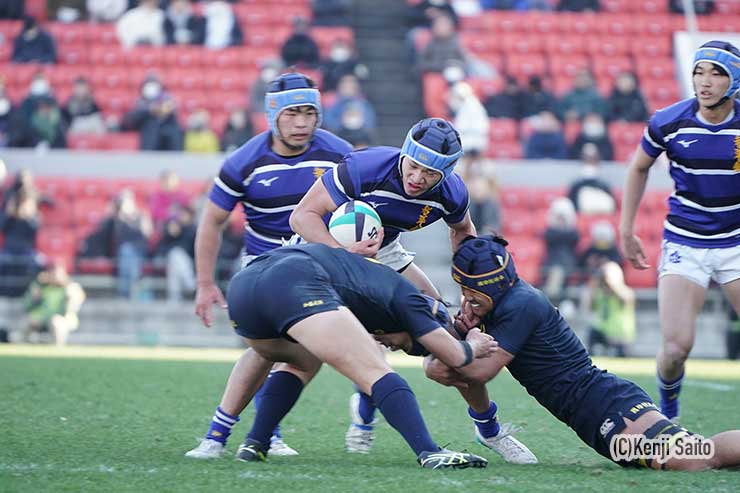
pixel 119 419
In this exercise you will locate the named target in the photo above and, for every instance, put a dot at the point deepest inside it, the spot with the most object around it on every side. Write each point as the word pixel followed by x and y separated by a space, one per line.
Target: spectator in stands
pixel 131 229
pixel 349 92
pixel 422 14
pixel 561 239
pixel 182 26
pixel 444 47
pixel 626 101
pixel 578 5
pixel 33 44
pixel 584 98
pixel 269 69
pixel 342 61
pixel 508 103
pixel 610 305
pixel 156 121
pixel 536 99
pixel 353 128
pixel 47 127
pixel 106 10
pixel 52 304
pixel 9 121
pixel 603 249
pixel 177 247
pixel 168 199
pixel 238 130
pixel 222 27
pixel 593 131
pixel 38 89
pixel 81 113
pixel 19 226
pixel 300 49
pixel 331 12
pixel 199 137
pixel 12 9
pixel 701 7
pixel 471 121
pixel 590 194
pixel 142 25
pixel 66 10
pixel 547 140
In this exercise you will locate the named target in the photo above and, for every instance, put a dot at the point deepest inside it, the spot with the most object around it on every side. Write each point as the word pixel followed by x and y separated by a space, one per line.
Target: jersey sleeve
pixel 228 189
pixel 459 200
pixel 652 139
pixel 344 182
pixel 413 312
pixel 513 326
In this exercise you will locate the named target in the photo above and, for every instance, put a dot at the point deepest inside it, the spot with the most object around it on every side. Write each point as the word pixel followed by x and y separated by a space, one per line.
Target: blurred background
pixel 115 115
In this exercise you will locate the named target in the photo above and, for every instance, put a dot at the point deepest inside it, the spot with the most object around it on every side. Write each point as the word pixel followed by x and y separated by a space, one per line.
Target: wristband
pixel 468 354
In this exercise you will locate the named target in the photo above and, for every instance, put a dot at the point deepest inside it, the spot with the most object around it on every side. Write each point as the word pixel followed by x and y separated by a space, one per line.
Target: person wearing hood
pixel 33 44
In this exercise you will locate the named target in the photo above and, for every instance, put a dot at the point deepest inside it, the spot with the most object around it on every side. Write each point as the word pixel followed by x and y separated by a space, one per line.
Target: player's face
pixel 417 179
pixel 479 304
pixel 297 125
pixel 710 85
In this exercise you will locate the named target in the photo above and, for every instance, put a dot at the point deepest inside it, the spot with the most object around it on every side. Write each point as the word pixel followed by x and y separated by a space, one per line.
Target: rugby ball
pixel 354 221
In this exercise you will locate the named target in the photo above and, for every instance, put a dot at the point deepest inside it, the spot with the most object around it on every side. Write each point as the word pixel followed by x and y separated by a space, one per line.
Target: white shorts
pixel 700 264
pixel 394 255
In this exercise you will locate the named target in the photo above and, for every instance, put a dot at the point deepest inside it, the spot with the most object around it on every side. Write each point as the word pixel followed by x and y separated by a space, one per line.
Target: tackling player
pixel 268 175
pixel 701 235
pixel 410 188
pixel 545 356
pixel 308 304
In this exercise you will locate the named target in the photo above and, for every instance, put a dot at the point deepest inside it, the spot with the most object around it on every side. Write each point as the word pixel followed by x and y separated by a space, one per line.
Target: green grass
pixel 80 424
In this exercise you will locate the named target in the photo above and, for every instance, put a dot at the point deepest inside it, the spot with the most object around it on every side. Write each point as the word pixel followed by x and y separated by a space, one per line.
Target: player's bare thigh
pixel 281 350
pixel 732 292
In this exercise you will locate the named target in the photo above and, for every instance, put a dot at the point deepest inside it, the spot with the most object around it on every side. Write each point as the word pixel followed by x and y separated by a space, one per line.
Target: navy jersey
pixel 269 186
pixel 383 300
pixel 552 364
pixel 373 176
pixel 705 166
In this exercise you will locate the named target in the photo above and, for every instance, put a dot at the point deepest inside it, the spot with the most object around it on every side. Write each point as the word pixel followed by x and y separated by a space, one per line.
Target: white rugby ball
pixel 354 221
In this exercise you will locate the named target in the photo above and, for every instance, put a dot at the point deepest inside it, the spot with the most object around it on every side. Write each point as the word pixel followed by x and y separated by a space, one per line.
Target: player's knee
pixel 676 352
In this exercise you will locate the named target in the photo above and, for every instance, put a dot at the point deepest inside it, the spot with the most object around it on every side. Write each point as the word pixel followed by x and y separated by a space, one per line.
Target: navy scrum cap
pixel 482 264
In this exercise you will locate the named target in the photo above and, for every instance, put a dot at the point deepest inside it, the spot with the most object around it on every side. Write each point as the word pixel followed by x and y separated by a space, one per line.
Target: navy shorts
pixel 272 294
pixel 626 400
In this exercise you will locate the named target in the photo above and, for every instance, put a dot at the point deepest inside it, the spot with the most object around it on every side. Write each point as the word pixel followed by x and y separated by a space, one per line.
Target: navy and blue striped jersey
pixel 373 176
pixel 705 167
pixel 269 186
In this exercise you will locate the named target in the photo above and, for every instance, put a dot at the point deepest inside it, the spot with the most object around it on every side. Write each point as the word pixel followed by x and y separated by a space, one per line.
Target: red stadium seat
pixel 103 34
pixel 725 7
pixel 503 129
pixel 524 66
pixel 75 55
pixel 96 265
pixel 58 214
pixel 608 46
pixel 56 188
pixel 540 23
pixel 70 33
pixel 516 43
pixel 123 141
pixel 326 35
pixel 143 56
pixel 92 188
pixel 101 55
pixel 185 56
pixel 579 22
pixel 259 121
pixel 480 43
pixel 189 79
pixel 274 37
pixel 110 78
pixel 565 44
pixel 501 22
pixel 567 65
pixel 10 29
pixel 435 95
pixel 615 6
pixel 86 142
pixel 56 242
pixel 636 278
pixel 655 68
pixel 652 6
pixel 505 150
pixel 116 101
pixel 611 66
pixel 653 46
pixel 571 130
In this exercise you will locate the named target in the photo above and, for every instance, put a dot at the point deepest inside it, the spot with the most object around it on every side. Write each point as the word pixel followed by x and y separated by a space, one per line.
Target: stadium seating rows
pixel 79 204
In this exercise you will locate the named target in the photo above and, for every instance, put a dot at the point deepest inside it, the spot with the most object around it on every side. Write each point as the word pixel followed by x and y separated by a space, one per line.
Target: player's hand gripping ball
pixel 354 221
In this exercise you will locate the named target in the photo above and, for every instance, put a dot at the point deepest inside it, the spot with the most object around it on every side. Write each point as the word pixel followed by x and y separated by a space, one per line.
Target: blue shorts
pixel 624 399
pixel 272 294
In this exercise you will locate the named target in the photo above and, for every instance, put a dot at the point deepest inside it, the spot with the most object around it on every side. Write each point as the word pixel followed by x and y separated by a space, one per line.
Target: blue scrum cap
pixel 483 264
pixel 434 143
pixel 289 91
pixel 725 56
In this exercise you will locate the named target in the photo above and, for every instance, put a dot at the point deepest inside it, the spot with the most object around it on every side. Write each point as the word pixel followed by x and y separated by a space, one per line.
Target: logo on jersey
pixel 377 204
pixel 674 257
pixel 422 217
pixel 607 426
pixel 311 303
pixel 318 172
pixel 736 167
pixel 268 181
pixel 687 143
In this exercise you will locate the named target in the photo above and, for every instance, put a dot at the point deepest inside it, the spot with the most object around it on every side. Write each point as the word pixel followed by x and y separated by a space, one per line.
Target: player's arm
pixel 634 188
pixel 207 246
pixel 480 370
pixel 460 231
pixel 307 220
pixel 458 354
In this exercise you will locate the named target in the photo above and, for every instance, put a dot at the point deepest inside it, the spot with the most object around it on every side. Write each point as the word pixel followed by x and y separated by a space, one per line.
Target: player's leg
pixel 488 431
pixel 679 303
pixel 353 353
pixel 247 376
pixel 724 451
pixel 280 392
